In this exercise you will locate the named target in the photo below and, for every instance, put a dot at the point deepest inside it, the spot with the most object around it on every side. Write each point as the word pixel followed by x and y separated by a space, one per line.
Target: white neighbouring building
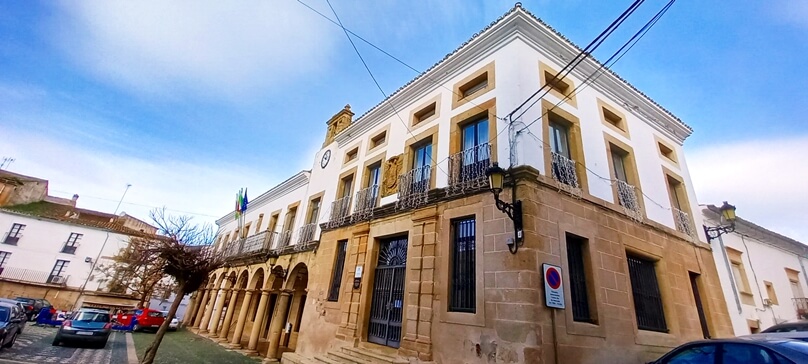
pixel 762 274
pixel 48 246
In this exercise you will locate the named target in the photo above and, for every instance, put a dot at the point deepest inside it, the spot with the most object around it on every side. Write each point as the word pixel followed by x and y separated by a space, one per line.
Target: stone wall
pixel 511 322
pixel 61 298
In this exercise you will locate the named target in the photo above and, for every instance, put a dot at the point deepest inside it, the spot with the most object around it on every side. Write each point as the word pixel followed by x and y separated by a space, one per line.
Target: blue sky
pixel 190 100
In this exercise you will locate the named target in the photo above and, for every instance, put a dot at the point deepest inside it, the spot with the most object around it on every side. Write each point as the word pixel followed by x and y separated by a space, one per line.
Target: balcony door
pixel 476 150
pixel 422 167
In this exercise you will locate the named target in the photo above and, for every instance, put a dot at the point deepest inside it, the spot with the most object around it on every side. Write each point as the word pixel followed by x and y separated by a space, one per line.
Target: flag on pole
pixel 238 205
pixel 244 202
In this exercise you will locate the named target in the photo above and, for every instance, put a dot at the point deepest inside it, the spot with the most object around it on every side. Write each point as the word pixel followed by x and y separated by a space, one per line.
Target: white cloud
pixel 99 178
pixel 765 179
pixel 211 47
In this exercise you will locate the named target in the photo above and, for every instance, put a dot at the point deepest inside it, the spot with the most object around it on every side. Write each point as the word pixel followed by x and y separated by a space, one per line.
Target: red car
pixel 141 319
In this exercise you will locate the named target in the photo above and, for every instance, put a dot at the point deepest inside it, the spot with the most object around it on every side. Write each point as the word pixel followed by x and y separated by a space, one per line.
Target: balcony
pixel 413 188
pixel 467 170
pixel 683 222
pixel 11 240
pixel 565 174
pixel 340 212
pixel 366 200
pixel 627 196
pixel 32 276
pixel 801 306
pixel 255 247
pixel 305 235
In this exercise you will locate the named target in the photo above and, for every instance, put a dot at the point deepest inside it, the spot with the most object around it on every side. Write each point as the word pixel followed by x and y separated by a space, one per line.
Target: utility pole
pixel 97 257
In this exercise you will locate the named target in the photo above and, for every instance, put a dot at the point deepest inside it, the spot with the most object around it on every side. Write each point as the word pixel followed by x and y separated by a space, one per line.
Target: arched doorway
pixel 297 282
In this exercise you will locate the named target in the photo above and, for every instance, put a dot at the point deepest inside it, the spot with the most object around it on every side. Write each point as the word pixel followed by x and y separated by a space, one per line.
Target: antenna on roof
pixel 6 162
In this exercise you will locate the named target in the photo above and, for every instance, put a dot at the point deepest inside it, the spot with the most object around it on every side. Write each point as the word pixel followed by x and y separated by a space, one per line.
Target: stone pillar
pixel 276 326
pixel 259 317
pixel 242 318
pixel 206 309
pixel 228 318
pixel 217 312
pixel 191 311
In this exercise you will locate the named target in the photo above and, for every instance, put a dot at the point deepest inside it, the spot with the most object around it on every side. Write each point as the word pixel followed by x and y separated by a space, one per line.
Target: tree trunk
pixel 151 351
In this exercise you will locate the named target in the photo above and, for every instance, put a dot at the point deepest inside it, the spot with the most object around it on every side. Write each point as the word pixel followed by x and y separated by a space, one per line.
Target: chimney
pixel 74 199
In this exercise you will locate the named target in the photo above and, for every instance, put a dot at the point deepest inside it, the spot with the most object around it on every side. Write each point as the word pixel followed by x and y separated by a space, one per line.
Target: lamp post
pixel 728 215
pixel 496 180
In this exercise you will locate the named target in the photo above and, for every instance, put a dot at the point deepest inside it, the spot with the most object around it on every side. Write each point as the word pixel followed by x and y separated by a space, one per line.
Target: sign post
pixel 553 286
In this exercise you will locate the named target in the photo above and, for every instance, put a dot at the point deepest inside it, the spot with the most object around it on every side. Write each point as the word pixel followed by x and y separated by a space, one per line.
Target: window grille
pixel 463 293
pixel 336 279
pixel 647 299
pixel 577 272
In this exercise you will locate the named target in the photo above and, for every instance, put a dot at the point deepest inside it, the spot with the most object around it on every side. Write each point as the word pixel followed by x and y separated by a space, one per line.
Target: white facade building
pixel 762 274
pixel 45 250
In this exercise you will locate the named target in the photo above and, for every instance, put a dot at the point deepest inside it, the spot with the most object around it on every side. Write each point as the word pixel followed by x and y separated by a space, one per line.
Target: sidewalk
pixel 186 347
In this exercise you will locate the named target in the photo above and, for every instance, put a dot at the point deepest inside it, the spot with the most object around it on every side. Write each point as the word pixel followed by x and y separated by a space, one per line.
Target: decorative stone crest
pixel 392 170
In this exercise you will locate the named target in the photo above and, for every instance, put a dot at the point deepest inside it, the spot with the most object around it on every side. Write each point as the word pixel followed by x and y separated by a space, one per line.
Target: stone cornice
pixel 283 188
pixel 519 24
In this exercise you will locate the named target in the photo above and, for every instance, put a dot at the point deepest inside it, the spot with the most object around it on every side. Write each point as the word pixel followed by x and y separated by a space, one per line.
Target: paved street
pixel 34 346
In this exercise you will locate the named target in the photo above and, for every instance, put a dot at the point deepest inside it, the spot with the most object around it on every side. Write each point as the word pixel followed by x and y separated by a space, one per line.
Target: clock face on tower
pixel 326 158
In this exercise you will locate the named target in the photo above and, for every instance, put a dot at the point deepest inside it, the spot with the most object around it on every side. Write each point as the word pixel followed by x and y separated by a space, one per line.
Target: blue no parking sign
pixel 553 286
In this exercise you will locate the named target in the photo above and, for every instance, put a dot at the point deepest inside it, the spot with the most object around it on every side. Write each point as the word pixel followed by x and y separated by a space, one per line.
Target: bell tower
pixel 338 123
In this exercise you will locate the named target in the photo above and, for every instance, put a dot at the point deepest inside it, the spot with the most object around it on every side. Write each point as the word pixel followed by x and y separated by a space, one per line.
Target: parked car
pixel 759 350
pixel 796 326
pixel 11 321
pixel 20 313
pixel 86 325
pixel 795 335
pixel 33 305
pixel 174 324
pixel 142 318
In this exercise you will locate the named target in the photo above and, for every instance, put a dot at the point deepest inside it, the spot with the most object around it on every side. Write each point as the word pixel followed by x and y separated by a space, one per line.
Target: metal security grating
pixel 647 299
pixel 578 293
pixel 463 292
pixel 336 279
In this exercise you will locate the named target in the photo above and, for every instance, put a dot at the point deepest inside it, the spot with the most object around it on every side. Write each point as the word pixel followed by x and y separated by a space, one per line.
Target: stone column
pixel 259 317
pixel 276 326
pixel 217 312
pixel 242 318
pixel 205 309
pixel 189 312
pixel 229 316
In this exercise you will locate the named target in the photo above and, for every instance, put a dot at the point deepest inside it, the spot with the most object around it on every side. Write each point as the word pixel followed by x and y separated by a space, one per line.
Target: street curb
pixel 131 354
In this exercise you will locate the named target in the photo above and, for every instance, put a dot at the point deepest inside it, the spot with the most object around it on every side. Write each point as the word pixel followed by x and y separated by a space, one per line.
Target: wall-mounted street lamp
pixel 728 215
pixel 496 180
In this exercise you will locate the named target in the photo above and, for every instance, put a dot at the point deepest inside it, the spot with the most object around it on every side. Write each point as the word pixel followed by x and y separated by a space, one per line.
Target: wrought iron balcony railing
pixel 33 276
pixel 67 249
pixel 340 212
pixel 627 196
pixel 306 233
pixel 261 242
pixel 683 223
pixel 366 200
pixel 233 248
pixel 801 306
pixel 467 170
pixel 284 240
pixel 413 187
pixel 565 174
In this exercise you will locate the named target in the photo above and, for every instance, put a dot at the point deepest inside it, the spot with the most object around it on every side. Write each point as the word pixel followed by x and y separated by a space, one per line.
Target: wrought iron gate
pixel 387 302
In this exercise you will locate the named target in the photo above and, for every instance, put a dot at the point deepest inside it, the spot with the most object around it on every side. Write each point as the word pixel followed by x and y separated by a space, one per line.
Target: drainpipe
pixel 731 276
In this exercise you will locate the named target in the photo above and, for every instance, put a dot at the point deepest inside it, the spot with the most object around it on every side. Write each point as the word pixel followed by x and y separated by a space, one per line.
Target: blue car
pixel 90 326
pixel 11 321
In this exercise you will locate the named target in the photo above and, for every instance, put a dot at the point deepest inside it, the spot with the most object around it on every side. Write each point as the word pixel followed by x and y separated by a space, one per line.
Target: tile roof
pixel 16 178
pixel 73 215
pixel 518 7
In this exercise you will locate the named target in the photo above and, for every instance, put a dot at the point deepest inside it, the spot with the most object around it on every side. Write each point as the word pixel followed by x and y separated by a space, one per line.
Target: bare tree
pixel 136 268
pixel 189 258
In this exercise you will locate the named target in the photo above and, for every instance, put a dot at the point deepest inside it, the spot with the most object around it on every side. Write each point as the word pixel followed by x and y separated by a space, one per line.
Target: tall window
pixel 563 166
pixel 476 150
pixel 346 186
pixel 4 258
pixel 72 243
pixel 559 139
pixel 314 211
pixel 273 223
pixel 422 162
pixel 336 277
pixel 796 289
pixel 374 173
pixel 14 234
pixel 618 162
pixel 56 275
pixel 577 271
pixel 463 289
pixel 647 298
